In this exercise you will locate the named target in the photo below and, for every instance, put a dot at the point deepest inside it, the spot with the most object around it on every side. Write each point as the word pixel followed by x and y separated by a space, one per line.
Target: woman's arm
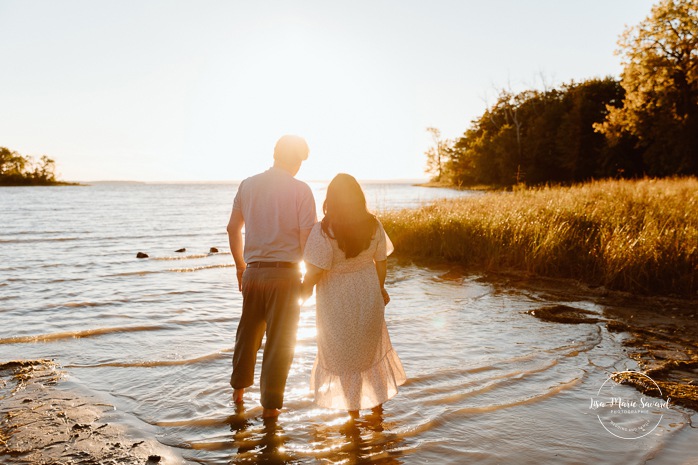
pixel 382 270
pixel 311 278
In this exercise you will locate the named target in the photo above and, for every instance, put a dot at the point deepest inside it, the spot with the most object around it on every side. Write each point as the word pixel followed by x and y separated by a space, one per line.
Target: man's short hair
pixel 291 148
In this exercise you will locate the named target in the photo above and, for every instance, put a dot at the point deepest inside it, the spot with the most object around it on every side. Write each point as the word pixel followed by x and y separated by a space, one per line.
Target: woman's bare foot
pixel 271 413
pixel 237 395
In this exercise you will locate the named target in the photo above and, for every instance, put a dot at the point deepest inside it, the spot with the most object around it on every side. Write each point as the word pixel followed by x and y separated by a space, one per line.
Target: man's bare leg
pixel 237 395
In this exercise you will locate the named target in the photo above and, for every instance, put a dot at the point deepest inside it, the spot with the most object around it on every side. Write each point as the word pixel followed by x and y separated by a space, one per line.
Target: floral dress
pixel 356 366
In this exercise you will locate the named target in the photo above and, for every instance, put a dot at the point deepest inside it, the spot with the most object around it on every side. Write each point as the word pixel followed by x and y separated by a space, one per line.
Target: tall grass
pixel 639 236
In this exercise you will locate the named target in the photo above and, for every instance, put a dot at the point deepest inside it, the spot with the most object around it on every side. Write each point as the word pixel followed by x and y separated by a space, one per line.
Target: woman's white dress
pixel 356 366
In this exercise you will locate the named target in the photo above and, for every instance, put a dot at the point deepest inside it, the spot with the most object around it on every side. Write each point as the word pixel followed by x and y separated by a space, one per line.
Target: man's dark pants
pixel 269 304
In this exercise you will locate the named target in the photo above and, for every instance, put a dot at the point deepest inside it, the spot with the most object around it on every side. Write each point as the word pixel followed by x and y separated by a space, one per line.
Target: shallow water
pixel 487 383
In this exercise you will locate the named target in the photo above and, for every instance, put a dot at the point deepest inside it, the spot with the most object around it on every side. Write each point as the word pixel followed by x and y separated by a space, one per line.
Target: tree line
pixel 643 124
pixel 20 170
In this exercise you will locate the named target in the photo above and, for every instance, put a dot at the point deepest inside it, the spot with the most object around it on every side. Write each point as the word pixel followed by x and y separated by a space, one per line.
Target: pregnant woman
pixel 356 366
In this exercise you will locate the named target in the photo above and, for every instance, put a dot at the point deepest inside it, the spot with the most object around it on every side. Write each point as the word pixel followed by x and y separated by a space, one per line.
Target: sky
pixel 168 90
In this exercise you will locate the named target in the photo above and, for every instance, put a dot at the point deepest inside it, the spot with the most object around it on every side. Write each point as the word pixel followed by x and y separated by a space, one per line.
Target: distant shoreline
pixel 446 185
pixel 51 184
pixel 89 183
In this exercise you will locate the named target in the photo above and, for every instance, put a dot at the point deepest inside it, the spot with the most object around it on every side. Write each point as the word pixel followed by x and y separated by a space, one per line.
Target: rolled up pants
pixel 269 305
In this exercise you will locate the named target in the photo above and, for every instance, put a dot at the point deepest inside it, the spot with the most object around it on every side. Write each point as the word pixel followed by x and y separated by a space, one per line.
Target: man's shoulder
pixel 302 185
pixel 254 181
pixel 285 181
pixel 256 177
pixel 278 181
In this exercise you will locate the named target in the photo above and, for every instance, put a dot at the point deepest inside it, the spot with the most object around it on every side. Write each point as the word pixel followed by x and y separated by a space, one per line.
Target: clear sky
pixel 158 90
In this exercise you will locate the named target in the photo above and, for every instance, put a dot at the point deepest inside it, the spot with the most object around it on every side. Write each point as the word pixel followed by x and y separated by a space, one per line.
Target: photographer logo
pixel 625 412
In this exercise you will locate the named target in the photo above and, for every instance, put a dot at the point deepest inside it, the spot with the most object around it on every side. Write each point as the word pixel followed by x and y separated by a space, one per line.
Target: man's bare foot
pixel 237 395
pixel 271 413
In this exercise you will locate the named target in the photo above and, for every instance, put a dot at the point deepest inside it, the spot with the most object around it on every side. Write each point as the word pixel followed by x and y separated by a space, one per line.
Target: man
pixel 278 212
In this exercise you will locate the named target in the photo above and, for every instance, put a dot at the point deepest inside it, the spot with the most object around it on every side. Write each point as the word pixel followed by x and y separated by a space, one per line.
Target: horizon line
pixel 231 181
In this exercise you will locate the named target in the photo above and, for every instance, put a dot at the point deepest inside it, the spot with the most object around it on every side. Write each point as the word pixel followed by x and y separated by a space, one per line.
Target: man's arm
pixel 235 239
pixel 304 237
pixel 307 215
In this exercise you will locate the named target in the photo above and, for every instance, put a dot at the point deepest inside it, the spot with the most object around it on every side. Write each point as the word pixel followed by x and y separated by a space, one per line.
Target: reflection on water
pixel 346 440
pixel 366 439
pixel 265 445
pixel 487 383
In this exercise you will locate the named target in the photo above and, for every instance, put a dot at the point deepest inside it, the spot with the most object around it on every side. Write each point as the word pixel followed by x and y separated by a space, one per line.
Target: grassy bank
pixel 639 236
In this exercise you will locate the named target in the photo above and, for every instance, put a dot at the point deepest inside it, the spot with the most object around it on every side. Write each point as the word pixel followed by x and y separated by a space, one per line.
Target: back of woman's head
pixel 347 220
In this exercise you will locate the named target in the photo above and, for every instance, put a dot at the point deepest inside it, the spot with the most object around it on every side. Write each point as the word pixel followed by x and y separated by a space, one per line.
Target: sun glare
pixel 296 77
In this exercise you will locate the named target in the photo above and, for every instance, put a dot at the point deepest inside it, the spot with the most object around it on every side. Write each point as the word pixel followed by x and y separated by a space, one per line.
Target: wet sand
pixel 662 337
pixel 664 342
pixel 41 423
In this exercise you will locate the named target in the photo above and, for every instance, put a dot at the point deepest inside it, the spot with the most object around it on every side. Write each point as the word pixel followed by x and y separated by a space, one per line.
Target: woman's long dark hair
pixel 347 220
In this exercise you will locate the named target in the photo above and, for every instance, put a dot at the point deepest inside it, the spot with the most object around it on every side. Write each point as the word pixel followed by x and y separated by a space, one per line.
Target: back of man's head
pixel 291 149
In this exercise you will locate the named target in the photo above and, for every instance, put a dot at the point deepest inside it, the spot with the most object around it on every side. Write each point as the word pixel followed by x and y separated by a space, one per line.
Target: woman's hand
pixel 386 296
pixel 311 278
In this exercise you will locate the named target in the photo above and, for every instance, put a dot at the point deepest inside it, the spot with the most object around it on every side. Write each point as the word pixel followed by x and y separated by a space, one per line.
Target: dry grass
pixel 638 236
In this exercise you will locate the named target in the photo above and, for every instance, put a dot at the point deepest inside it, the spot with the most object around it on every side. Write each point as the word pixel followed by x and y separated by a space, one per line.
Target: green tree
pixel 437 155
pixel 584 153
pixel 45 170
pixel 13 166
pixel 5 161
pixel 536 137
pixel 16 169
pixel 660 78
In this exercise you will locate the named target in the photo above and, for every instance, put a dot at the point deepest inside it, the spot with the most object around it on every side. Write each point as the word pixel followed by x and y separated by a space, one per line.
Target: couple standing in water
pixel 345 255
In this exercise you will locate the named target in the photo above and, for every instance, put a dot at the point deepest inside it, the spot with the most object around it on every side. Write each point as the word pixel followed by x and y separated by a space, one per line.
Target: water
pixel 487 383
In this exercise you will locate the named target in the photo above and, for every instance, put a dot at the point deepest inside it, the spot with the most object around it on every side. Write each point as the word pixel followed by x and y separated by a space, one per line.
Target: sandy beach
pixel 40 423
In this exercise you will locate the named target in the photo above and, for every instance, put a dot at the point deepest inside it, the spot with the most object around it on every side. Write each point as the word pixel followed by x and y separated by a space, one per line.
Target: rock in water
pixel 564 314
pixel 141 255
pixel 181 250
pixel 213 250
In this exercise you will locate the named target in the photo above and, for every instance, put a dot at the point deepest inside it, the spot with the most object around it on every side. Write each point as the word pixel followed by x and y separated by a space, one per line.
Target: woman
pixel 356 366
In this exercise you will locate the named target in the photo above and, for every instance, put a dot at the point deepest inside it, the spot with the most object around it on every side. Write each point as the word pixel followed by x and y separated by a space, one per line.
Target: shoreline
pixel 55 184
pixel 661 332
pixel 666 350
pixel 41 422
pixel 445 185
pixel 670 362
